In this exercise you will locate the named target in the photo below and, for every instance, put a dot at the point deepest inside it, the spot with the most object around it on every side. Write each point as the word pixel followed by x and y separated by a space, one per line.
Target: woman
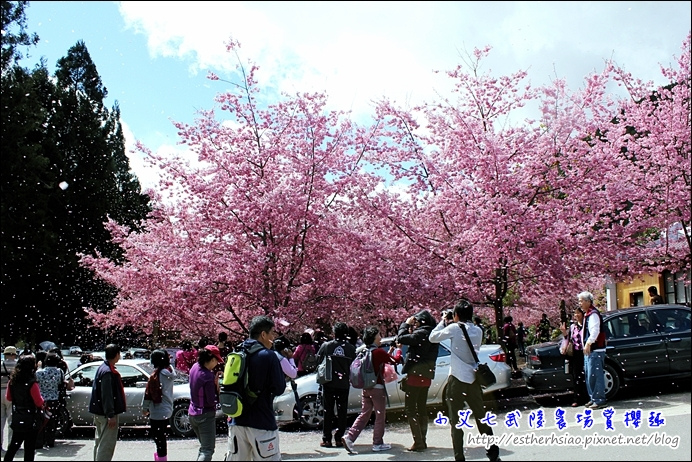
pixel 305 348
pixel 185 358
pixel 24 393
pixel 373 398
pixel 158 400
pixel 576 361
pixel 419 365
pixel 204 395
pixel 50 379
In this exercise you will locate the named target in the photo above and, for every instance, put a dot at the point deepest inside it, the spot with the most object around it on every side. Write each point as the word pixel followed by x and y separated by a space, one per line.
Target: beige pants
pixel 6 412
pixel 247 443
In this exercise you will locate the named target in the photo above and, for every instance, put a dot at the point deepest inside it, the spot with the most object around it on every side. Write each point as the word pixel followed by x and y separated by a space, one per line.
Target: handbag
pixel 568 349
pixel 26 419
pixel 484 376
pixel 324 371
pixel 390 374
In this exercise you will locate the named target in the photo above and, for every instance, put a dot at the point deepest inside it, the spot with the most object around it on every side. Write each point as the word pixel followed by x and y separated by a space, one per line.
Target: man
pixel 509 339
pixel 107 402
pixel 419 367
pixel 335 393
pixel 521 335
pixel 254 435
pixel 479 322
pixel 7 367
pixel 462 385
pixel 593 339
pixel 544 328
pixel 656 299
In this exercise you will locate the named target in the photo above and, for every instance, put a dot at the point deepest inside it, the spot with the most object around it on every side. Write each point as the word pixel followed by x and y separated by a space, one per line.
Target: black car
pixel 644 342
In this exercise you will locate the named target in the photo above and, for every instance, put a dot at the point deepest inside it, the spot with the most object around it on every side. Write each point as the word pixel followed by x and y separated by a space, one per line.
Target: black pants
pixel 339 398
pixel 511 358
pixel 158 432
pixel 19 437
pixel 417 414
pixel 458 393
pixel 576 366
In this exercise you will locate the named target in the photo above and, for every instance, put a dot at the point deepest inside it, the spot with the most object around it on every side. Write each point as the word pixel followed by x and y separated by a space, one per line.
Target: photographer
pixel 419 365
pixel 462 385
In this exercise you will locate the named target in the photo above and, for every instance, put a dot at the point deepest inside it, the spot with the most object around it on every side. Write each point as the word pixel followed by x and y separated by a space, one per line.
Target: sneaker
pixel 381 447
pixel 590 403
pixel 348 444
pixel 598 406
pixel 326 444
pixel 493 453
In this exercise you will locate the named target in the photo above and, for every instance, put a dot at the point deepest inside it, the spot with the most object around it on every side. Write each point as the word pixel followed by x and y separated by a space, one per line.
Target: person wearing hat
pixel 419 366
pixel 204 395
pixel 10 354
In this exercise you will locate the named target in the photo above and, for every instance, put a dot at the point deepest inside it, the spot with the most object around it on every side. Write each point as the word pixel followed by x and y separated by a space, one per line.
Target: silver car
pixel 135 374
pixel 313 412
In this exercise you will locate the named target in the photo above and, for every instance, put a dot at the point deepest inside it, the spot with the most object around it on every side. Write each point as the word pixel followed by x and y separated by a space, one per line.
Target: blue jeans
pixel 204 427
pixel 594 375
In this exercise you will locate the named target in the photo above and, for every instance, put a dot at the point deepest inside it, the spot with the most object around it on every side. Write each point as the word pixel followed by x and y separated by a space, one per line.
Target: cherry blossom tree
pixel 535 209
pixel 261 223
pixel 296 212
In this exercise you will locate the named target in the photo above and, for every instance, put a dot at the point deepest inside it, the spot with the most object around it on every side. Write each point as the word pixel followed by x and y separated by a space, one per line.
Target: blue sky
pixel 153 57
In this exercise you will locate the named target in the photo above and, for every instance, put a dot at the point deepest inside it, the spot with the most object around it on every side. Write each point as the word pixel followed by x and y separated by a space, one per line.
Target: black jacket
pixel 343 353
pixel 421 357
pixel 107 394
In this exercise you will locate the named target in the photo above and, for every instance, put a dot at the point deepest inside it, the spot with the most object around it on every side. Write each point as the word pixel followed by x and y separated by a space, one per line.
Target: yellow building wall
pixel 635 292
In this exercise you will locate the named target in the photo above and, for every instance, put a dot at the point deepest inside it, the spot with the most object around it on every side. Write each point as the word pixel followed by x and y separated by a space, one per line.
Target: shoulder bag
pixel 484 375
pixel 324 370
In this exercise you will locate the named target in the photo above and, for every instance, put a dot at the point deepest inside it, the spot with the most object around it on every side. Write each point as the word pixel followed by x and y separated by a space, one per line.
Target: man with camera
pixel 462 385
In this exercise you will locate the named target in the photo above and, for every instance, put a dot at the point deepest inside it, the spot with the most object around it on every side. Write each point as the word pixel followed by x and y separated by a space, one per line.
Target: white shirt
pixel 462 364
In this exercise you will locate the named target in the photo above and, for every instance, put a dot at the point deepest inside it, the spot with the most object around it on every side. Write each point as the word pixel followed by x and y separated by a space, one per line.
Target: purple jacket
pixel 203 397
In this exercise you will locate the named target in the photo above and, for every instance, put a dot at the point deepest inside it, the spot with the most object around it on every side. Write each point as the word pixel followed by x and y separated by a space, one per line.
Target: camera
pixel 448 315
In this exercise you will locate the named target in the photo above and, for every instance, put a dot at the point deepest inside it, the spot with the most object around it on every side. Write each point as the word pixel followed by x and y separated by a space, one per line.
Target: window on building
pixel 677 287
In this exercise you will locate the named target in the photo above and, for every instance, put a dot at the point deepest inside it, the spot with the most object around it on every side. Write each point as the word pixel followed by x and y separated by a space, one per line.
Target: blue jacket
pixel 107 393
pixel 266 379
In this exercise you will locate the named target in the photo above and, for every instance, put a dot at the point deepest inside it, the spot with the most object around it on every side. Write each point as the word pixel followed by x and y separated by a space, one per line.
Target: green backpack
pixel 235 394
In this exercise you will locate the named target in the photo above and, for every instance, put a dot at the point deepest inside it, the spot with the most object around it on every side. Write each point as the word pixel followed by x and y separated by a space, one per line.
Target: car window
pixel 442 351
pixel 84 377
pixel 629 325
pixel 672 320
pixel 131 375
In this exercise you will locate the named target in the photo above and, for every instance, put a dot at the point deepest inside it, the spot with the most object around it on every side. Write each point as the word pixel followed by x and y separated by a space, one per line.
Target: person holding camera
pixel 462 385
pixel 419 365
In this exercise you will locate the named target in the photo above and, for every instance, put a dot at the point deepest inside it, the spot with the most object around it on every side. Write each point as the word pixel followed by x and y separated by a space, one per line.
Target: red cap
pixel 215 351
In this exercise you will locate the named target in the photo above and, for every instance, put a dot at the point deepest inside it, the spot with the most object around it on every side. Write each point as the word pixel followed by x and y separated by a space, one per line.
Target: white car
pixel 75 351
pixel 313 412
pixel 135 374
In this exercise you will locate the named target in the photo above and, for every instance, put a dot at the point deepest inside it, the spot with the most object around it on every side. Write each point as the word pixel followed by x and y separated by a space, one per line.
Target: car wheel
pixel 612 381
pixel 313 415
pixel 180 420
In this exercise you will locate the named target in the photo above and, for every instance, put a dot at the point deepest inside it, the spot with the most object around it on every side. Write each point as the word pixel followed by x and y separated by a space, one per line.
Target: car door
pixel 134 383
pixel 442 365
pixel 639 351
pixel 674 326
pixel 78 398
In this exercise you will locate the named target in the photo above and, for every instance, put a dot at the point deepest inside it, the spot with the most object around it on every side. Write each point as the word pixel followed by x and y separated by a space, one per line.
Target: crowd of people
pixel 34 387
pixel 34 384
